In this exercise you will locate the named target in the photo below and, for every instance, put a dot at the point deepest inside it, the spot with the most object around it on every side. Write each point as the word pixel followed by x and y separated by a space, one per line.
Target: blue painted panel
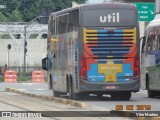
pixel 118 30
pixel 93 75
pixel 127 71
pixel 105 35
pixel 101 31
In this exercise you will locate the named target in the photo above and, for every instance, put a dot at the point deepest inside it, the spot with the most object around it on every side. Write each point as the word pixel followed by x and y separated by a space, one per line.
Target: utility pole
pixel 9 47
pixel 157 4
pixel 25 41
pixel 25 49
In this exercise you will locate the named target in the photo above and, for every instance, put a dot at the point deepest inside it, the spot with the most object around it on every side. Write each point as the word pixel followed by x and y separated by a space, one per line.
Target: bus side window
pixel 150 39
pixel 146 41
pixel 158 40
pixel 149 44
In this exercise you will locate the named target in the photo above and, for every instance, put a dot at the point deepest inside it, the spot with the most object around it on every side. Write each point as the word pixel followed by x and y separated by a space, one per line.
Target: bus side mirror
pixel 44 63
pixel 142 44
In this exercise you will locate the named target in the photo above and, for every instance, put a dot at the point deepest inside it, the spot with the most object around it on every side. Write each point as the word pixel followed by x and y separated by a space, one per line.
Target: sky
pixel 95 1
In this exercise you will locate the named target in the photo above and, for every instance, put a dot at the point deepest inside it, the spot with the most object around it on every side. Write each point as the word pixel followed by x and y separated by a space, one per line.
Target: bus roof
pixel 110 5
pixel 155 22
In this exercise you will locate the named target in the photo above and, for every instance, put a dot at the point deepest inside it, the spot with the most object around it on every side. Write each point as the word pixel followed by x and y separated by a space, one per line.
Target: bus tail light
pixel 136 66
pixel 83 72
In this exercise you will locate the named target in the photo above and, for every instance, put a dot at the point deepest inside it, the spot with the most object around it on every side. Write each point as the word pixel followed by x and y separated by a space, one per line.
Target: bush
pixel 1 79
pixel 21 78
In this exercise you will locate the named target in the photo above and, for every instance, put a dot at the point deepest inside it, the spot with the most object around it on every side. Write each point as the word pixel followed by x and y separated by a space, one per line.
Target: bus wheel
pixel 125 96
pixel 100 95
pixel 56 94
pixel 50 82
pixel 114 96
pixel 71 89
pixel 151 94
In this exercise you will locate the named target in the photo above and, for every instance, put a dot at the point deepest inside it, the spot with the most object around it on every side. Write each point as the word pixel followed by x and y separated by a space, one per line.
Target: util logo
pixel 114 17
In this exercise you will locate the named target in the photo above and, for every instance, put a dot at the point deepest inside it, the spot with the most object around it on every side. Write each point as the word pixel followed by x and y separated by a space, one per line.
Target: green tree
pixel 15 16
pixel 26 10
pixel 11 12
pixel 80 1
pixel 2 17
pixel 32 8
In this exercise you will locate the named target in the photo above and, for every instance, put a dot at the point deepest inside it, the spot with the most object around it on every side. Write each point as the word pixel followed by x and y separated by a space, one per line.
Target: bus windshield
pixel 109 17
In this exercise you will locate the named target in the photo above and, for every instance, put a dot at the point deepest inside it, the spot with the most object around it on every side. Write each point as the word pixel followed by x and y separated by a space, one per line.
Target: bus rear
pixel 110 53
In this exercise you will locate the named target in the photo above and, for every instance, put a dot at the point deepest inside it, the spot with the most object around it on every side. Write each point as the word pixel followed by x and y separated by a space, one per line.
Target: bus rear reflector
pixel 136 66
pixel 83 72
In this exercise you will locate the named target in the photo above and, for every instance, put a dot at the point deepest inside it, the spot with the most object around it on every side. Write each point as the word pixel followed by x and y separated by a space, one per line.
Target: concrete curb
pixel 58 100
pixel 128 114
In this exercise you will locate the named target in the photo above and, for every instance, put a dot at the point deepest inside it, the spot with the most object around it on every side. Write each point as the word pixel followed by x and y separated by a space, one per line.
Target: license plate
pixel 110 87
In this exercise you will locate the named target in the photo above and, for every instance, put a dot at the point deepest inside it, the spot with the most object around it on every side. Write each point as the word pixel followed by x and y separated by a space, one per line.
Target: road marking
pixel 22 89
pixel 40 89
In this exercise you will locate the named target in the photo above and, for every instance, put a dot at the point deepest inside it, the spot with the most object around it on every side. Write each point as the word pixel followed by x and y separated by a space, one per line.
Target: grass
pixel 21 78
pixel 18 79
pixel 1 79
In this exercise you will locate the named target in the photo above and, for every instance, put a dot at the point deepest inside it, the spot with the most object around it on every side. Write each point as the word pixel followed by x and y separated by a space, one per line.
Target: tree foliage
pixel 26 10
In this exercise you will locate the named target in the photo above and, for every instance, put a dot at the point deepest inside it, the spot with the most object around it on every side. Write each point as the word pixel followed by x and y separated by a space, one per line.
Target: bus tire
pixel 121 96
pixel 72 95
pixel 50 82
pixel 125 96
pixel 99 95
pixel 56 94
pixel 67 83
pixel 114 96
pixel 151 94
pixel 147 82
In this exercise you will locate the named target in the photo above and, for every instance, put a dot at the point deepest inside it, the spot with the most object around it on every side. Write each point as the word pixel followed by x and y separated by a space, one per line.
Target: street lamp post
pixel 25 40
pixel 9 47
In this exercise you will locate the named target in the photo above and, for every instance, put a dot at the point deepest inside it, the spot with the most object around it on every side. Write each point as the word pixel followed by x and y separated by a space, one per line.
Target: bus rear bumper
pixel 132 86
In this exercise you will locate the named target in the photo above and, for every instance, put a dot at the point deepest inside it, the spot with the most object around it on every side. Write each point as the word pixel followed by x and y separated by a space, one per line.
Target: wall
pixel 34 54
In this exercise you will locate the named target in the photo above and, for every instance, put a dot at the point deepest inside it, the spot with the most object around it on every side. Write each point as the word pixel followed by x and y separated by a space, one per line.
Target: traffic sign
pixel 145 11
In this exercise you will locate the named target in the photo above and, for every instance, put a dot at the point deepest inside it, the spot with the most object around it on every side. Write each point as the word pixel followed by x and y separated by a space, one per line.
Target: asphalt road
pixel 103 103
pixel 16 102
